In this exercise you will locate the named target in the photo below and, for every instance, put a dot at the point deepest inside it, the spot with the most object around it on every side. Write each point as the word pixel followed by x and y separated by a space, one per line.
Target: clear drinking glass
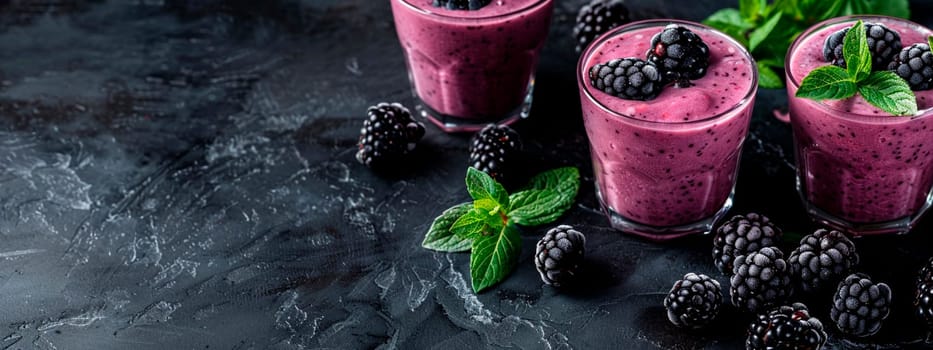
pixel 667 167
pixel 471 68
pixel 858 169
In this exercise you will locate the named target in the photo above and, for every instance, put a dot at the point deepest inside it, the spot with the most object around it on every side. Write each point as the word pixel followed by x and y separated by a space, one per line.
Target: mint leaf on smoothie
pixel 750 24
pixel 827 83
pixel 886 90
pixel 856 52
pixel 883 89
pixel 488 227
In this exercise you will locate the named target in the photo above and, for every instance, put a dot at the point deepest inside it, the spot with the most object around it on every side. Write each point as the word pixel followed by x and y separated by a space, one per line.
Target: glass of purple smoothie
pixel 859 169
pixel 469 68
pixel 667 167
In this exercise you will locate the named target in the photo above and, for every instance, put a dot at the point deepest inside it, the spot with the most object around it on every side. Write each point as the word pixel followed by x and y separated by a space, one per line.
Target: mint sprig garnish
pixel 767 28
pixel 489 227
pixel 882 89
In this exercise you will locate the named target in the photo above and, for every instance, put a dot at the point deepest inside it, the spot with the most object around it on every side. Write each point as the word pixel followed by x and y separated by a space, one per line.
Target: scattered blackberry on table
pixel 559 254
pixel 740 235
pixel 860 305
pixel 786 328
pixel 628 78
pixel 926 272
pixel 761 280
pixel 694 301
pixel 923 302
pixel 596 18
pixel 494 150
pixel 915 64
pixel 680 55
pixel 461 4
pixel 883 43
pixel 389 132
pixel 823 259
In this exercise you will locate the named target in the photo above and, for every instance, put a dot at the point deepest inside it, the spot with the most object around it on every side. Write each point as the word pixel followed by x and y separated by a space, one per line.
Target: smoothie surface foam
pixel 726 83
pixel 495 8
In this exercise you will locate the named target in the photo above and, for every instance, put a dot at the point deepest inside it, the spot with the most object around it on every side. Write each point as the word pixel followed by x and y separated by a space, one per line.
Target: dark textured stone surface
pixel 181 174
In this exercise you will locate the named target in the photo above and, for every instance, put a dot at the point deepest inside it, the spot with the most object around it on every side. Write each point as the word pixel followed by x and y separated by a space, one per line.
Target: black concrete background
pixel 181 174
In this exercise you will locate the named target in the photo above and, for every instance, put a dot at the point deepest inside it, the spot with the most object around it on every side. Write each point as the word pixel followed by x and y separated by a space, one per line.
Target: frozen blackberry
pixel 915 64
pixel 388 133
pixel 559 254
pixel 494 150
pixel 761 280
pixel 823 259
pixel 596 18
pixel 461 4
pixel 693 301
pixel 860 305
pixel 628 78
pixel 883 43
pixel 680 55
pixel 786 328
pixel 740 235
pixel 923 302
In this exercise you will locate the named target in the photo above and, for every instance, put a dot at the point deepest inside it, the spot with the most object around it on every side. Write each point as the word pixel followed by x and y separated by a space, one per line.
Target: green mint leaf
pixel 790 8
pixel 930 42
pixel 818 10
pixel 482 186
pixel 494 257
pixel 441 238
pixel 887 91
pixel 546 197
pixel 894 8
pixel 488 205
pixel 856 53
pixel 730 21
pixel 767 78
pixel 827 82
pixel 565 181
pixel 729 17
pixel 751 9
pixel 760 34
pixel 475 223
pixel 538 207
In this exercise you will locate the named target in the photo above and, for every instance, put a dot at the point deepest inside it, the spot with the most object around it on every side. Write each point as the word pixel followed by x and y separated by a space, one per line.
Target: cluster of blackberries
pixel 762 281
pixel 389 133
pixel 914 63
pixel 677 55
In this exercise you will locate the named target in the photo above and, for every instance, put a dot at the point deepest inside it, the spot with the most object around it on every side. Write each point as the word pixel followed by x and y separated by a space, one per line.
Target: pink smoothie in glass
pixel 474 65
pixel 671 161
pixel 869 171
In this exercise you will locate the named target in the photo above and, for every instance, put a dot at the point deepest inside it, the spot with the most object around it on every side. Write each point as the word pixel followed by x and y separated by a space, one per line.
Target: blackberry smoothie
pixel 859 168
pixel 666 167
pixel 470 68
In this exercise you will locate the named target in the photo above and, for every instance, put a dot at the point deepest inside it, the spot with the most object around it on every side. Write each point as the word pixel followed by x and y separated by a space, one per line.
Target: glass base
pixel 663 233
pixel 856 229
pixel 453 124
